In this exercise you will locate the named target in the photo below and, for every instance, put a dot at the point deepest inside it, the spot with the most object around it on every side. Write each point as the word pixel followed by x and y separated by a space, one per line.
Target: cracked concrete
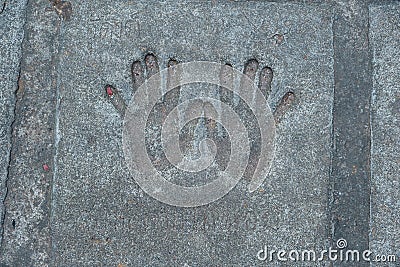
pixel 12 19
pixel 26 238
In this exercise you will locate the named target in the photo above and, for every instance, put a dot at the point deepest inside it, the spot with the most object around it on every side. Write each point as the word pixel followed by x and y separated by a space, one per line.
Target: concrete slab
pixel 26 230
pixel 102 217
pixel 86 208
pixel 350 192
pixel 385 154
pixel 12 19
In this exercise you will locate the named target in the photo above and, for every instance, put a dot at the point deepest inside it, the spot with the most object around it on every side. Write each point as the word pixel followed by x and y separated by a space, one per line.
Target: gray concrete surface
pixel 350 177
pixel 12 19
pixel 71 200
pixel 385 155
pixel 100 214
pixel 26 229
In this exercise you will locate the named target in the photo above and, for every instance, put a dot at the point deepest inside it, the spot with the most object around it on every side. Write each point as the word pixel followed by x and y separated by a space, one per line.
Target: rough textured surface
pixel 350 177
pixel 100 214
pixel 12 18
pixel 385 219
pixel 71 200
pixel 26 226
